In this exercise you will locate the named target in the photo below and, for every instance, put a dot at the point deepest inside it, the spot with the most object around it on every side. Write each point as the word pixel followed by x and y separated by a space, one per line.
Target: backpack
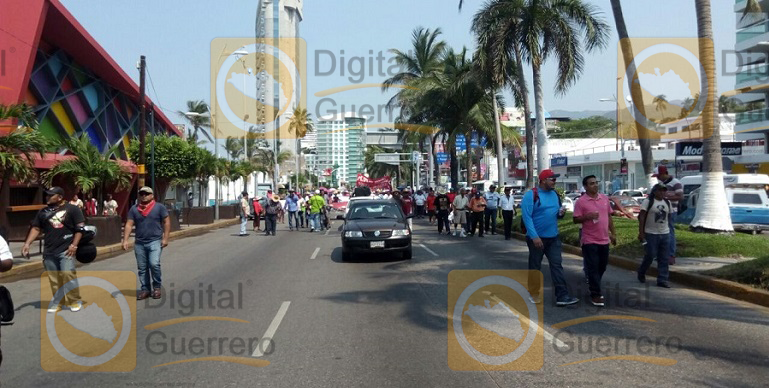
pixel 536 201
pixel 6 305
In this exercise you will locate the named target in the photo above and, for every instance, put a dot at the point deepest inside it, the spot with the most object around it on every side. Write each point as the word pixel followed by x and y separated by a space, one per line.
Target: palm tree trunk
pixel 543 157
pixel 469 153
pixel 524 92
pixel 436 167
pixel 454 167
pixel 627 56
pixel 712 211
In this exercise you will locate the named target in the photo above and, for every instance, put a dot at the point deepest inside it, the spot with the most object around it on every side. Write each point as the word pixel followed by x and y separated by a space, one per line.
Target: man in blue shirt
pixel 490 214
pixel 153 227
pixel 292 206
pixel 540 216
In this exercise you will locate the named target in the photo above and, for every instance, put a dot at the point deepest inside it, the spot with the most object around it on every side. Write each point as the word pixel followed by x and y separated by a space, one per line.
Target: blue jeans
pixel 657 246
pixel 672 249
pixel 148 262
pixel 552 249
pixel 293 219
pixel 314 221
pixel 61 270
pixel 490 220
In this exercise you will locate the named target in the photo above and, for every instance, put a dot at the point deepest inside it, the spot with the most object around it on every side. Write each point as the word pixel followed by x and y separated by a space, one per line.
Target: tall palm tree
pixel 644 141
pixel 375 169
pixel 554 28
pixel 234 147
pixel 498 36
pixel 300 124
pixel 661 104
pixel 712 214
pixel 198 122
pixel 90 170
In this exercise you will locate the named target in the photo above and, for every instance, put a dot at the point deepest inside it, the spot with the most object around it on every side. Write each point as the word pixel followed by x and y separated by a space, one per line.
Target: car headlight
pixel 401 232
pixel 353 233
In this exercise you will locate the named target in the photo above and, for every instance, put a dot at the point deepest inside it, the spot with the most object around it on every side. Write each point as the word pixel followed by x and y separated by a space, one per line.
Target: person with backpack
pixel 541 208
pixel 674 195
pixel 594 213
pixel 153 228
pixel 271 214
pixel 654 233
pixel 62 225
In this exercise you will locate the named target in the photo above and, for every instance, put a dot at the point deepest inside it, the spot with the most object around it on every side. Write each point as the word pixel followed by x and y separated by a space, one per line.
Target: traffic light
pixel 623 166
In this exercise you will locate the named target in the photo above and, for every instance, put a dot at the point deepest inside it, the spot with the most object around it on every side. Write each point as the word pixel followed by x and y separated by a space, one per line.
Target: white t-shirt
pixel 5 252
pixel 657 218
pixel 420 199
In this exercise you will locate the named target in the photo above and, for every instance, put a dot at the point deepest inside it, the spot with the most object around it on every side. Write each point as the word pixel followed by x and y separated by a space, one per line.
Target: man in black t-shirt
pixel 61 223
pixel 442 210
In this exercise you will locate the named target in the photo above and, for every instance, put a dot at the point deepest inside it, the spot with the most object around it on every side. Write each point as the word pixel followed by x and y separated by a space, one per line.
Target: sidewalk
pixel 35 263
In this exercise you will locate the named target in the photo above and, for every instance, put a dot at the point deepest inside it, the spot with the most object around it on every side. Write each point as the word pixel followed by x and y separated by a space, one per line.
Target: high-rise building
pixel 340 146
pixel 753 56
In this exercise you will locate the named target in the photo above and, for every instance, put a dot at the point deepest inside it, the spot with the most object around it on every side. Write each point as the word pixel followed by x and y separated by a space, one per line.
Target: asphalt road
pixel 382 322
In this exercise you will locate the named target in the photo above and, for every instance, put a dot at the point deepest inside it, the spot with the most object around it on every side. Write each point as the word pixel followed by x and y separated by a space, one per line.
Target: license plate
pixel 377 244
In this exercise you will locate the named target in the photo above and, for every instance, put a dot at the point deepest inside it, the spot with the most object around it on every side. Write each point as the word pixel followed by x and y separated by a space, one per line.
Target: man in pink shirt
pixel 593 211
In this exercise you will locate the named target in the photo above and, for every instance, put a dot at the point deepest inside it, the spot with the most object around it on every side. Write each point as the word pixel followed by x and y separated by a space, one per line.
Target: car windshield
pixel 363 211
pixel 629 202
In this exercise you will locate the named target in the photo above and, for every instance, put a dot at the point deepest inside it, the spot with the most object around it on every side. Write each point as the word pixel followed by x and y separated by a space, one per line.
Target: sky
pixel 175 36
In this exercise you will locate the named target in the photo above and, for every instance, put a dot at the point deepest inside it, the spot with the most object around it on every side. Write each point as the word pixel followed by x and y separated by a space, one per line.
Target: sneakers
pixel 535 299
pixel 569 300
pixel 75 307
pixel 53 309
pixel 663 285
pixel 462 234
pixel 642 278
pixel 597 301
pixel 142 295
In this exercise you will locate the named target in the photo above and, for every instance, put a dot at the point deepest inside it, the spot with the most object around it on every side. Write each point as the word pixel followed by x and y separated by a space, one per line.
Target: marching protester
pixel 431 206
pixel 257 213
pixel 419 200
pixel 316 204
pixel 271 213
pixel 292 206
pixel 654 233
pixel 675 193
pixel 490 214
pixel 153 228
pixel 541 208
pixel 442 207
pixel 62 225
pixel 301 210
pixel 460 212
pixel 478 208
pixel 594 213
pixel 507 204
pixel 245 210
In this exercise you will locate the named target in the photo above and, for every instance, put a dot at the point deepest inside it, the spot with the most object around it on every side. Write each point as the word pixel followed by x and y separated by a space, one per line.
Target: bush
pixel 754 272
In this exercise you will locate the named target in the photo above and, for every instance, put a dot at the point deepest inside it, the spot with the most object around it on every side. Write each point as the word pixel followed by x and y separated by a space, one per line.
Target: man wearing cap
pixel 541 208
pixel 316 204
pixel 245 210
pixel 62 224
pixel 460 204
pixel 654 234
pixel 271 215
pixel 442 206
pixel 153 227
pixel 292 206
pixel 674 194
pixel 490 214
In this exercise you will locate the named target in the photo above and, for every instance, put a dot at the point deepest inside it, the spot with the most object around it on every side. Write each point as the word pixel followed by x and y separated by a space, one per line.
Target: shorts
pixel 460 217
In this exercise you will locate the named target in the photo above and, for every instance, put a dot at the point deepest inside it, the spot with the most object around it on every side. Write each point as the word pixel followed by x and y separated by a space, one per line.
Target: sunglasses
pixel 143 193
pixel 552 179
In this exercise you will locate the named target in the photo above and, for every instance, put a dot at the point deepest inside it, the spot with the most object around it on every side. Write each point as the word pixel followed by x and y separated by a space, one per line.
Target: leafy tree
pixel 90 170
pixel 594 126
pixel 174 161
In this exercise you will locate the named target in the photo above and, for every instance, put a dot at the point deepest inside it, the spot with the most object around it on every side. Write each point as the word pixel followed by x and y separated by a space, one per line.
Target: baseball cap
pixel 548 174
pixel 55 190
pixel 660 170
pixel 317 191
pixel 145 189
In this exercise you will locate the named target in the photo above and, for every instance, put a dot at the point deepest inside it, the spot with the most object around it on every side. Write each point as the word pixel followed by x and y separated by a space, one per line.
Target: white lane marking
pixel 533 325
pixel 315 254
pixel 272 328
pixel 428 250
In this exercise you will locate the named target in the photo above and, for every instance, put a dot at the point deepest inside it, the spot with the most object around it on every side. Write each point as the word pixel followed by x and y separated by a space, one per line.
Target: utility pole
pixel 142 123
pixel 152 149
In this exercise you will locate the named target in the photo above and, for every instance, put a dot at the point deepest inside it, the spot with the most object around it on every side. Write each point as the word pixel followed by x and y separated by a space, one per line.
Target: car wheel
pixel 407 254
pixel 346 255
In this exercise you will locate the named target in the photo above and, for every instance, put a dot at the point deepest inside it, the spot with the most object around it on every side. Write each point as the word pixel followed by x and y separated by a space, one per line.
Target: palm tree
pixel 206 165
pixel 300 124
pixel 644 141
pixel 198 122
pixel 497 34
pixel 712 211
pixel 90 170
pixel 375 169
pixel 234 147
pixel 661 104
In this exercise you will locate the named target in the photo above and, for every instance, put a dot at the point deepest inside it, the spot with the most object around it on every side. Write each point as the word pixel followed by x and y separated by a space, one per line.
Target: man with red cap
pixel 541 208
pixel 675 193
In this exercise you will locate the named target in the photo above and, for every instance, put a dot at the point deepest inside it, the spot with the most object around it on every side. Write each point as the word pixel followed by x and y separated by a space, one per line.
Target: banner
pixel 382 183
pixel 695 148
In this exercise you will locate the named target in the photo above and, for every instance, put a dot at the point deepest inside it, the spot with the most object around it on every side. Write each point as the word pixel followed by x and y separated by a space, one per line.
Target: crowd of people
pixel 308 210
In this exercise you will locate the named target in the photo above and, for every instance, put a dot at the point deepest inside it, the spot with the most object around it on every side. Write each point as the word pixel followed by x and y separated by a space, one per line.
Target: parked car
pixel 638 195
pixel 517 198
pixel 372 226
pixel 569 204
pixel 748 207
pixel 625 207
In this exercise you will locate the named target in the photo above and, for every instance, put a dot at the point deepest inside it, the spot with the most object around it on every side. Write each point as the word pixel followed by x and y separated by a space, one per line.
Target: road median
pixel 35 268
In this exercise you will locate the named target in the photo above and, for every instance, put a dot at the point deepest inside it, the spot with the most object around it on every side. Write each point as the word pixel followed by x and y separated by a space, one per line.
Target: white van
pixel 694 182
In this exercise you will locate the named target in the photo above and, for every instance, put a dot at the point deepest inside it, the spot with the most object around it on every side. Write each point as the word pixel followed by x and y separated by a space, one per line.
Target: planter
pixel 228 211
pixel 198 215
pixel 109 229
pixel 175 224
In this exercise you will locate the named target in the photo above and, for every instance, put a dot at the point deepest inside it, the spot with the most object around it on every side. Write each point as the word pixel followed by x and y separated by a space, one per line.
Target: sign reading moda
pixel 695 148
pixel 559 161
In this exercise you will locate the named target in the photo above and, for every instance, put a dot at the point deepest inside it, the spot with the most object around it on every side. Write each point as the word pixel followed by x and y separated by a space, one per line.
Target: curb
pixel 109 251
pixel 706 283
